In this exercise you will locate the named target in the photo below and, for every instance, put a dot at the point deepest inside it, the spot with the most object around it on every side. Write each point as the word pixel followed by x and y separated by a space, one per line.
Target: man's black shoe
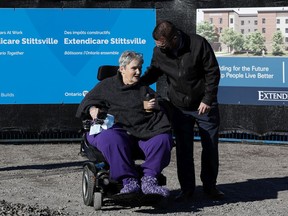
pixel 214 193
pixel 184 196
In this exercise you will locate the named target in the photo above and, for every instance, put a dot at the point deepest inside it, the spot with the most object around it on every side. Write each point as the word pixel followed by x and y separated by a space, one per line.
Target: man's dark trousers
pixel 208 126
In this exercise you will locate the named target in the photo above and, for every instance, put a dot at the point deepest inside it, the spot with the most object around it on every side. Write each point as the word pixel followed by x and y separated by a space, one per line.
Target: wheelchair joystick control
pixel 102 114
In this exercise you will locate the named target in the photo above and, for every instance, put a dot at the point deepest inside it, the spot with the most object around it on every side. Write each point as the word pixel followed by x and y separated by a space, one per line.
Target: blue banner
pixel 51 56
pixel 253 80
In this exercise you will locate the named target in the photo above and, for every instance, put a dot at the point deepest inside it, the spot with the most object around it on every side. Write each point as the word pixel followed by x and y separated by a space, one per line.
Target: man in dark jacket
pixel 193 75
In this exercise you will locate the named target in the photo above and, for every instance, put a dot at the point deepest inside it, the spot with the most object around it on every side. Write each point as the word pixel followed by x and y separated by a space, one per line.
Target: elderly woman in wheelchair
pixel 136 124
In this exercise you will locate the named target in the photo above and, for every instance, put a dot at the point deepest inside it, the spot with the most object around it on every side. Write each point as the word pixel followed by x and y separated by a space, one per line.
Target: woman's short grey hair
pixel 128 56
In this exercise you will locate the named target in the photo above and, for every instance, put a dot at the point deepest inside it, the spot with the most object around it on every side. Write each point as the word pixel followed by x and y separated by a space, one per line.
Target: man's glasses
pixel 162 46
pixel 166 44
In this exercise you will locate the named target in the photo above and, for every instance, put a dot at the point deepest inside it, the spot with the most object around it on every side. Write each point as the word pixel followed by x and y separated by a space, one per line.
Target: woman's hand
pixel 93 111
pixel 151 105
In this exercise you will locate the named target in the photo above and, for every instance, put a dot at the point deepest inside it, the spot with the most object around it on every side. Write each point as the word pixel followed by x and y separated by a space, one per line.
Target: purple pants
pixel 117 147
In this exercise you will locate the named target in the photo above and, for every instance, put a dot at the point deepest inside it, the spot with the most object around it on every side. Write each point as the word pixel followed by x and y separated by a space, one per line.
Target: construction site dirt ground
pixel 254 178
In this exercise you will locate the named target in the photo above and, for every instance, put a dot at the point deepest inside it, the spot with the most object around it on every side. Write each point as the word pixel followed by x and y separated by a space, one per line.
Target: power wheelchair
pixel 97 188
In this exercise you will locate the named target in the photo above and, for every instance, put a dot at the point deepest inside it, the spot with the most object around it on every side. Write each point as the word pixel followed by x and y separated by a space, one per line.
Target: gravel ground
pixel 45 179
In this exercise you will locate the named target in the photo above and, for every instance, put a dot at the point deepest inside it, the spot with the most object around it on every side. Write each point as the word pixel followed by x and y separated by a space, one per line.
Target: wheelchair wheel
pixel 88 186
pixel 98 200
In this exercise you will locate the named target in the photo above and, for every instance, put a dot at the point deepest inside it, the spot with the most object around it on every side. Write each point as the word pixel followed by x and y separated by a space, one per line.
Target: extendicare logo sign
pixel 273 95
